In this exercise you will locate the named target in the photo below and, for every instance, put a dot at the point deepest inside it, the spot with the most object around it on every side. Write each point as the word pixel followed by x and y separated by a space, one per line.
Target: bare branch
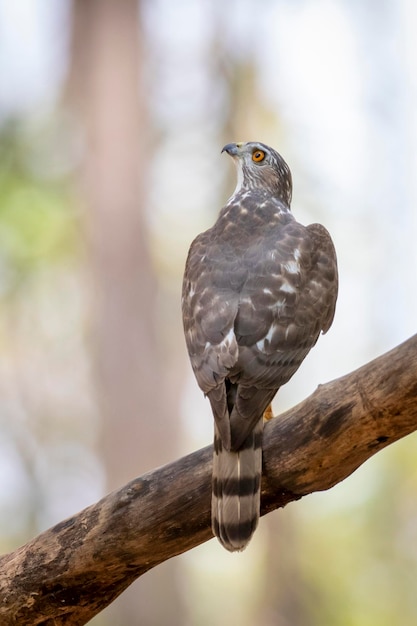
pixel 72 571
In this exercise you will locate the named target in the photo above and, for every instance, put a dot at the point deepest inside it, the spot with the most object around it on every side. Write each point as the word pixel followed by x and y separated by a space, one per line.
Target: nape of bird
pixel 258 290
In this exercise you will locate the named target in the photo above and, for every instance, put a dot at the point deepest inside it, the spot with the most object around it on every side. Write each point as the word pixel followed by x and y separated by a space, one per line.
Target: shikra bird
pixel 258 290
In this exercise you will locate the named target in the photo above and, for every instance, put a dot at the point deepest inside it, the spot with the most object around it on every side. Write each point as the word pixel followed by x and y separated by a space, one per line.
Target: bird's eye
pixel 258 156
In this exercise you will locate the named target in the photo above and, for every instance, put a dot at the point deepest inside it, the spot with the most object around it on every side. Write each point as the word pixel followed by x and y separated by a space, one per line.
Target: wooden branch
pixel 72 571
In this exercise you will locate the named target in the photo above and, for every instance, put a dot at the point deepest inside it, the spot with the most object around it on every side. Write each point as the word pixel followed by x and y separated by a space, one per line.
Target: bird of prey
pixel 258 290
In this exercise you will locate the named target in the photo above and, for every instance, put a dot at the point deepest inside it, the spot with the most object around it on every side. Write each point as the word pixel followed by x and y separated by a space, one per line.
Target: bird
pixel 258 290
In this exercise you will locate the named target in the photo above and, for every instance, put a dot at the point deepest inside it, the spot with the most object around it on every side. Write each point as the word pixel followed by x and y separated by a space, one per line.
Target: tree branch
pixel 72 571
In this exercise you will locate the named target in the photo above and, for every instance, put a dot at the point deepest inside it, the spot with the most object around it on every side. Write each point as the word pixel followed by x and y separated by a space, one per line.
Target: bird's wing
pixel 324 282
pixel 209 306
pixel 288 298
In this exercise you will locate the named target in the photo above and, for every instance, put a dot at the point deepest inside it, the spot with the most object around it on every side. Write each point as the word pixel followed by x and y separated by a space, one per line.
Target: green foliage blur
pixel 38 225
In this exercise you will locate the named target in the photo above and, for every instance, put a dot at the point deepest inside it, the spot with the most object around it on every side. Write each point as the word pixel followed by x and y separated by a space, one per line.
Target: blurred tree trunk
pixel 285 596
pixel 138 426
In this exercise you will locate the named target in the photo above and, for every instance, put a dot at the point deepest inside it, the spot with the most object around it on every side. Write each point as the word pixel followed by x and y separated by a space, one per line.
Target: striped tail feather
pixel 236 491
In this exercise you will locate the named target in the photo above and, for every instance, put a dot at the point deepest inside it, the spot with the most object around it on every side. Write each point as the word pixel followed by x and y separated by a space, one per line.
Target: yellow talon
pixel 268 413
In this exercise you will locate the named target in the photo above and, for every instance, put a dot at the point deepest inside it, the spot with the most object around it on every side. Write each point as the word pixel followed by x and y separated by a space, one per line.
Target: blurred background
pixel 112 119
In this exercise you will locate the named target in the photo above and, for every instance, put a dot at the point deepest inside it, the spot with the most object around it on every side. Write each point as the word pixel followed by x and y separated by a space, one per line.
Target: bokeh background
pixel 112 118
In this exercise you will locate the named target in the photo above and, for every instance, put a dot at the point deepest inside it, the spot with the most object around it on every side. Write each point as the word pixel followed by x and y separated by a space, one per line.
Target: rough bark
pixel 72 571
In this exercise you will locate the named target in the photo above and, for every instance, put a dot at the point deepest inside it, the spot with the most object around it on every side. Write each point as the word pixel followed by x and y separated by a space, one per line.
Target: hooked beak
pixel 232 149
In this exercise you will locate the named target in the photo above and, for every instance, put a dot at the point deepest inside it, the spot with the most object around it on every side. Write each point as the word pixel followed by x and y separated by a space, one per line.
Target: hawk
pixel 258 290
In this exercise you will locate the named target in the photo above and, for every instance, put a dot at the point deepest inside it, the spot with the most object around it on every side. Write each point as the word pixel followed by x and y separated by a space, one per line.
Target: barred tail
pixel 236 492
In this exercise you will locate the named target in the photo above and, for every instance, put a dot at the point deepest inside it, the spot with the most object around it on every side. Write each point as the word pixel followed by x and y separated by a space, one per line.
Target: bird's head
pixel 261 167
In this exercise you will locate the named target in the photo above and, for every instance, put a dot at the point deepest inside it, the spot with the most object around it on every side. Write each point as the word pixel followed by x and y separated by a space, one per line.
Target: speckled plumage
pixel 258 289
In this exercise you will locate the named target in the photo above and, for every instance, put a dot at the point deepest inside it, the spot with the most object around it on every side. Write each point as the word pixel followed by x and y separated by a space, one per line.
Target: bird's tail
pixel 237 490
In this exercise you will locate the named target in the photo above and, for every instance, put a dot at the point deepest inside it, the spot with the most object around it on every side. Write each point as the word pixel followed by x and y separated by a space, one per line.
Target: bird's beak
pixel 232 149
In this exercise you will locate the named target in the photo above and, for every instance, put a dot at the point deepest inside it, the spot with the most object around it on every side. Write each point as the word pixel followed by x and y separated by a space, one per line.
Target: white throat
pixel 239 183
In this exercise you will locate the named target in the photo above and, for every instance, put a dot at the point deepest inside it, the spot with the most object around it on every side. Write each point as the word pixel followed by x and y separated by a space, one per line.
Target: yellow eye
pixel 258 156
